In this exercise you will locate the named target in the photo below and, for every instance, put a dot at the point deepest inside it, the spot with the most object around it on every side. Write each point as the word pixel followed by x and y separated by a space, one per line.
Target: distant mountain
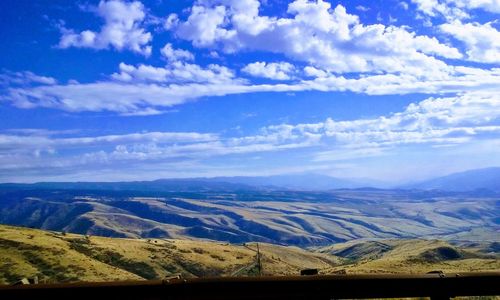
pixel 479 179
pixel 473 180
pixel 161 185
pixel 302 182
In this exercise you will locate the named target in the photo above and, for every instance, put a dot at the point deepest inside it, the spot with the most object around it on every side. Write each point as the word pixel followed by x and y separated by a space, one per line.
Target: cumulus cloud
pixel 325 37
pixel 172 54
pixel 202 26
pixel 277 71
pixel 482 41
pixel 314 72
pixel 171 21
pixel 122 29
pixel 487 5
pixel 378 59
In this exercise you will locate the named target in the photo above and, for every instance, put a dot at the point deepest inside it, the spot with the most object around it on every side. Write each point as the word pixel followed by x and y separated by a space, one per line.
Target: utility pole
pixel 259 263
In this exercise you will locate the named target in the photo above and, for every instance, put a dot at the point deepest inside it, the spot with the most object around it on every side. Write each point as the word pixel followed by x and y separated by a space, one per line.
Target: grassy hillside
pixel 414 256
pixel 55 257
pixel 58 257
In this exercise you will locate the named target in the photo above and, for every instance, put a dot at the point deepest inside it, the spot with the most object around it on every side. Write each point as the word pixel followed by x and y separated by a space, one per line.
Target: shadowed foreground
pixel 436 286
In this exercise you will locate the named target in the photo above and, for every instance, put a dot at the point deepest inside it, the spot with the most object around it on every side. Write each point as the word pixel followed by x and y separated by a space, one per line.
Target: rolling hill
pixel 279 217
pixel 59 257
pixel 414 256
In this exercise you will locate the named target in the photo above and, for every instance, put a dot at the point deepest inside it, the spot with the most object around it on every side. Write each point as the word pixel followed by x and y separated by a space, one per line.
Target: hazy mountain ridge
pixel 472 180
pixel 487 179
pixel 303 182
pixel 160 185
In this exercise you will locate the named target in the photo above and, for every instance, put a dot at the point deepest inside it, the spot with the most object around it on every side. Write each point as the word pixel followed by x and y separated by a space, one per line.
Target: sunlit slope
pixel 415 256
pixel 290 218
pixel 56 257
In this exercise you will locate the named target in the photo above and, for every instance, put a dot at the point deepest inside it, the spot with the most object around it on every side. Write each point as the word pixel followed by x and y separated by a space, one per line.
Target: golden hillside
pixel 414 256
pixel 57 257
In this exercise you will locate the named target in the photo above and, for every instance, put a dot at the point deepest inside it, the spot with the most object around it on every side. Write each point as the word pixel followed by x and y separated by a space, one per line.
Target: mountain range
pixel 479 179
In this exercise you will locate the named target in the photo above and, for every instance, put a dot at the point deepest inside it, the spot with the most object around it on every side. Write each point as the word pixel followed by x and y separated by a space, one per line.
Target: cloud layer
pixel 448 121
pixel 218 48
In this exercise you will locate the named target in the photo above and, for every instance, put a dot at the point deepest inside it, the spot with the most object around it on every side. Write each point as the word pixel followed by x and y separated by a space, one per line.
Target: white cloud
pixel 455 9
pixel 171 21
pixel 451 120
pixel 324 37
pixel 35 152
pixel 457 79
pixel 314 72
pixel 482 41
pixel 403 5
pixel 144 89
pixel 176 72
pixel 110 96
pixel 172 54
pixel 362 8
pixel 487 5
pixel 278 71
pixel 348 154
pixel 24 78
pixel 458 120
pixel 202 26
pixel 434 8
pixel 32 140
pixel 122 29
pixel 141 73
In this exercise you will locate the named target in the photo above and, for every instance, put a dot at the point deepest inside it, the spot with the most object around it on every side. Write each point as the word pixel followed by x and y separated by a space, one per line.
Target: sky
pixel 394 91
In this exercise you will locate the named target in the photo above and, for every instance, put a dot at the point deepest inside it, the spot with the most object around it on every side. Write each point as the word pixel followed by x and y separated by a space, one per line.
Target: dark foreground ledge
pixel 437 286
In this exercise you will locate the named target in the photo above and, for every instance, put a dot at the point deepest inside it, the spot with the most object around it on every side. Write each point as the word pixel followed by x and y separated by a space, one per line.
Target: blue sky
pixel 396 91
